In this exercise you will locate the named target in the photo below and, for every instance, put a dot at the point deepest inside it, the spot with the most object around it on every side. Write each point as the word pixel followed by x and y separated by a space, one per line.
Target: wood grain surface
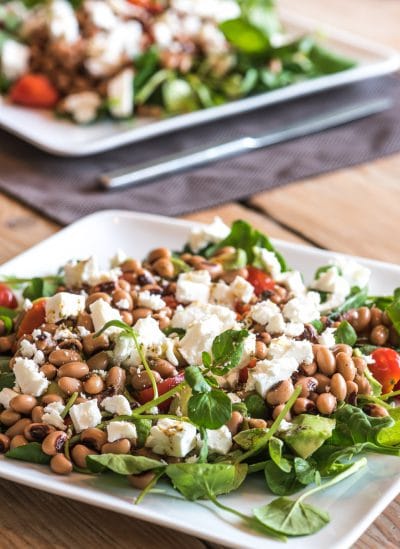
pixel 354 210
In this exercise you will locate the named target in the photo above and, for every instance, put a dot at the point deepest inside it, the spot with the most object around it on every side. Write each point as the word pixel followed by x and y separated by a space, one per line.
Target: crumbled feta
pixel 149 335
pixel 294 329
pixel 82 106
pixel 117 404
pixel 267 373
pixel 172 438
pixel 352 271
pixel 293 281
pixel 197 312
pixel 52 415
pixel 119 257
pixel 62 21
pixel 193 286
pixel 101 14
pixel 276 325
pixel 327 337
pixel 242 289
pixel 332 282
pixel 27 304
pixel 212 39
pixel 201 236
pixel 28 378
pixel 218 10
pixel 82 331
pixel 199 338
pixel 120 94
pixel 64 305
pixel 85 415
pixel 121 429
pixel 221 294
pixel 170 351
pixel 269 261
pixel 151 301
pixel 14 59
pixel 284 347
pixel 303 308
pixel 123 304
pixel 219 440
pixel 27 349
pixel 101 312
pixel 6 395
pixel 264 311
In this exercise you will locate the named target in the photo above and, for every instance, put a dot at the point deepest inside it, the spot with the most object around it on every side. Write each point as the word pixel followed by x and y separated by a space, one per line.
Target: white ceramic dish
pixel 353 504
pixel 61 137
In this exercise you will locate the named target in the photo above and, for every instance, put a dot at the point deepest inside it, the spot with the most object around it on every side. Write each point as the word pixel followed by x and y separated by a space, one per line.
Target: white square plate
pixel 353 504
pixel 61 137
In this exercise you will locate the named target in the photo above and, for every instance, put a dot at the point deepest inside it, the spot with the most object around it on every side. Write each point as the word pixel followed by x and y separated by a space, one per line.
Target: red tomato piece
pixel 170 301
pixel 150 5
pixel 34 90
pixel 7 298
pixel 244 372
pixel 386 368
pixel 146 395
pixel 261 281
pixel 33 318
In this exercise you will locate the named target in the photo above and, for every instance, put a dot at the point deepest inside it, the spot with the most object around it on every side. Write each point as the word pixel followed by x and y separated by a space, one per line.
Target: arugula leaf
pixel 329 62
pixel 275 448
pixel 280 482
pixel 31 452
pixel 41 287
pixel 345 333
pixel 180 332
pixel 318 325
pixel 306 471
pixel 210 410
pixel 356 298
pixel 256 406
pixel 227 350
pixel 145 66
pixel 295 518
pixel 195 379
pixel 122 464
pixel 393 312
pixel 353 426
pixel 389 436
pixel 244 36
pixel 196 480
pixel 263 15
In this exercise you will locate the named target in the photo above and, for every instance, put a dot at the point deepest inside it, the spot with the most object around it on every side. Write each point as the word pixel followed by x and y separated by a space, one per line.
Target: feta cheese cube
pixel 121 429
pixel 327 337
pixel 283 347
pixel 152 301
pixel 332 282
pixel 203 235
pixel 85 415
pixel 219 440
pixel 276 324
pixel 172 438
pixel 120 94
pixel 199 338
pixel 101 14
pixel 14 59
pixel 101 312
pixel 28 378
pixel 193 286
pixel 269 261
pixel 117 404
pixel 352 271
pixel 119 257
pixel 303 308
pixel 52 415
pixel 149 332
pixel 27 349
pixel 82 106
pixel 293 281
pixel 62 21
pixel 197 312
pixel 264 311
pixel 221 294
pixel 6 395
pixel 64 305
pixel 242 289
pixel 294 329
pixel 267 373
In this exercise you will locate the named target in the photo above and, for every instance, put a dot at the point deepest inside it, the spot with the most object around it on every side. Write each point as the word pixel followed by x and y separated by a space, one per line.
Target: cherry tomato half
pixel 386 368
pixel 261 281
pixel 244 372
pixel 7 298
pixel 148 394
pixel 33 318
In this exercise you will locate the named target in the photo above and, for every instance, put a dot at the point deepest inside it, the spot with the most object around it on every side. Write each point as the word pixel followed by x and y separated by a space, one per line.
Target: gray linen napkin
pixel 65 189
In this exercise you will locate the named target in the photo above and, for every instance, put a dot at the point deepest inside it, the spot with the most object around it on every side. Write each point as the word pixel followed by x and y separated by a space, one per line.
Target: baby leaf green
pixel 122 464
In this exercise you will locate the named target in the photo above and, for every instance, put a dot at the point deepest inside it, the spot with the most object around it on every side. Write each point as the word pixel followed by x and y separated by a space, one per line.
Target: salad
pixel 200 368
pixel 86 59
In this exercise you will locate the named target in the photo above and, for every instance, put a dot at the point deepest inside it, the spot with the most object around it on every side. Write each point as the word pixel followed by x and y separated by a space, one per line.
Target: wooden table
pixel 354 210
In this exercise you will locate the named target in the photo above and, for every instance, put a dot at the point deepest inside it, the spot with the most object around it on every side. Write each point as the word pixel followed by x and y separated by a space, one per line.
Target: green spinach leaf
pixel 121 464
pixel 31 452
pixel 210 410
pixel 345 333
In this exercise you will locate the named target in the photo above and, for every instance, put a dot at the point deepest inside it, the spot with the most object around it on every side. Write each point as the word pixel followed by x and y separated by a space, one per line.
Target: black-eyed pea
pixel 164 368
pixel 338 386
pixel 163 321
pixel 142 480
pixel 130 265
pixel 255 423
pixel 9 417
pixel 92 298
pixel 141 379
pixel 376 316
pixel 351 391
pixel 313 396
pixel 280 393
pixel 345 366
pixel 323 381
pixel 159 253
pixel 278 409
pixel 309 369
pixel 94 438
pixel 54 443
pixel 23 404
pixel 140 312
pixel 342 348
pixel 58 357
pixel 229 276
pixel 49 370
pixel 386 319
pixel 261 350
pixel 79 454
pixel 124 285
pixel 265 337
pixel 235 422
pixel 326 361
pixel 360 318
pixel 122 299
pixel 6 343
pixel 77 370
pixel 360 364
pixel 70 385
pixel 36 432
pixel 326 403
pixel 374 410
pixel 394 337
pixel 307 384
pixel 164 267
pixel 99 361
pixel 91 343
pixel 116 378
pixel 122 446
pixel 364 388
pixel 93 385
pixel 17 441
pixel 18 427
pixel 127 317
pixel 60 465
pixel 49 399
pixel 4 443
pixel 379 335
pixel 303 406
pixel 85 320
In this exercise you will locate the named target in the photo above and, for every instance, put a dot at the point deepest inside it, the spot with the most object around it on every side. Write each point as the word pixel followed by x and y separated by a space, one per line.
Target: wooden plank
pixel 30 518
pixel 352 210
